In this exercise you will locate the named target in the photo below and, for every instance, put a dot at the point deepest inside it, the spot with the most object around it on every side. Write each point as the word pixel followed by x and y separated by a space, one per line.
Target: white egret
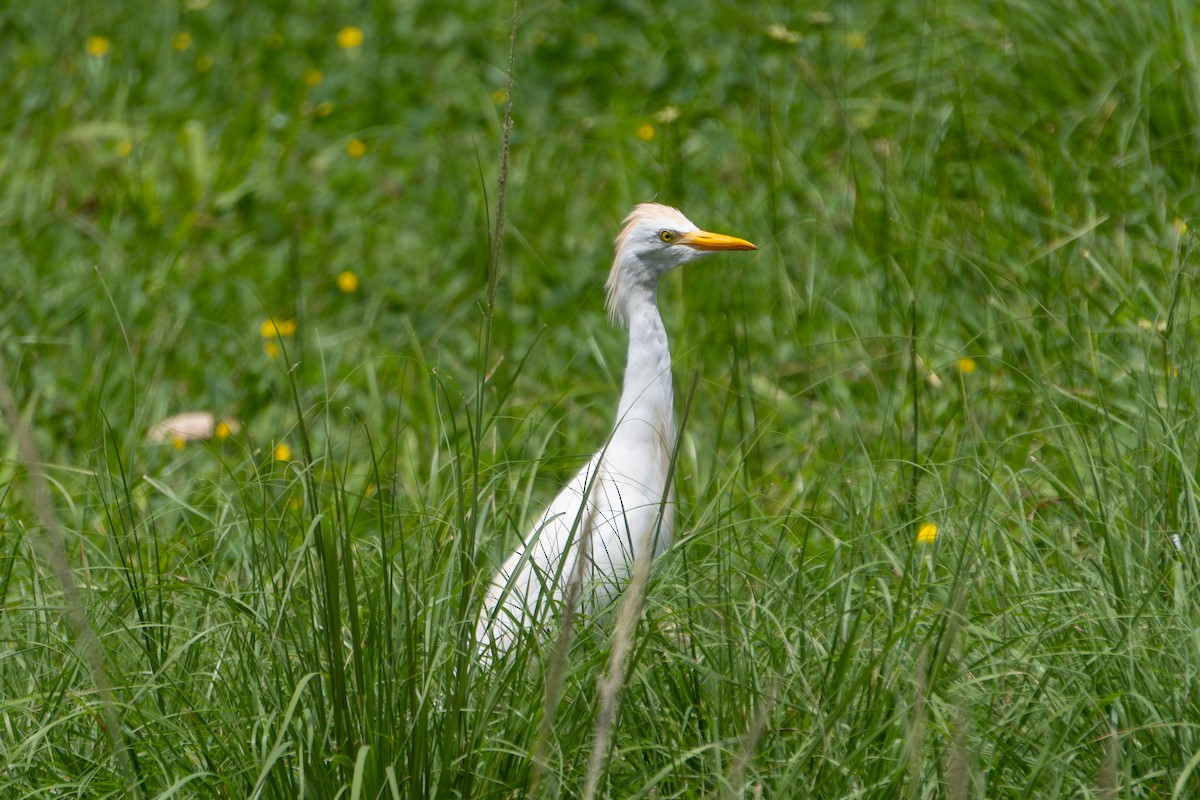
pixel 621 502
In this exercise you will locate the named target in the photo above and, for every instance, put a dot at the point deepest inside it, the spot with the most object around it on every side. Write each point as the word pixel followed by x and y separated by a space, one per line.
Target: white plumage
pixel 621 504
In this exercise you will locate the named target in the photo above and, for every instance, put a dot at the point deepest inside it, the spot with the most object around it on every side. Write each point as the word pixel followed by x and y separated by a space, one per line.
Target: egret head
pixel 655 240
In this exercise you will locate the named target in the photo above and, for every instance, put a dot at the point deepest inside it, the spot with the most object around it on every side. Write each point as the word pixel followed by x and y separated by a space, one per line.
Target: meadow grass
pixel 937 481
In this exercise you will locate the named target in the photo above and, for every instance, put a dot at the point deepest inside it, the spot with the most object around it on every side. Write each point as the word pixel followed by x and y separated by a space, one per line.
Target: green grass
pixel 928 182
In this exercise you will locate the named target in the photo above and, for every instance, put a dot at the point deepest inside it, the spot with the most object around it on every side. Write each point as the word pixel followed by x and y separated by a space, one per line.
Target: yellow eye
pixel 667 236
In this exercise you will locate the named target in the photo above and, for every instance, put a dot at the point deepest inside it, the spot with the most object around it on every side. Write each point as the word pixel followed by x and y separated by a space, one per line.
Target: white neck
pixel 647 409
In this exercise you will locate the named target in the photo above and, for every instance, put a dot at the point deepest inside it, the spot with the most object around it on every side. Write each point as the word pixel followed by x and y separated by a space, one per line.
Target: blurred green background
pixel 938 475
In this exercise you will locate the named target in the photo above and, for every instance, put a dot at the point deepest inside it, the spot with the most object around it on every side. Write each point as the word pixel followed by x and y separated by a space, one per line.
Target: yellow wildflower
pixel 182 41
pixel 282 452
pixel 927 533
pixel 323 109
pixel 178 441
pixel 645 132
pixel 350 37
pixel 347 281
pixel 223 430
pixel 500 97
pixel 272 349
pixel 1180 226
pixel 204 63
pixel 355 148
pixel 123 148
pixel 313 77
pixel 966 365
pixel 272 327
pixel 98 46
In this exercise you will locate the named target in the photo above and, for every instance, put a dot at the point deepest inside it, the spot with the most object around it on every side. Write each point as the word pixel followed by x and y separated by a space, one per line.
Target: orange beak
pixel 703 240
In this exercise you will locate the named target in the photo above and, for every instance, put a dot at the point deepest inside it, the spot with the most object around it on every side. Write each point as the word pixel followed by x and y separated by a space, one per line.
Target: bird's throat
pixel 647 405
